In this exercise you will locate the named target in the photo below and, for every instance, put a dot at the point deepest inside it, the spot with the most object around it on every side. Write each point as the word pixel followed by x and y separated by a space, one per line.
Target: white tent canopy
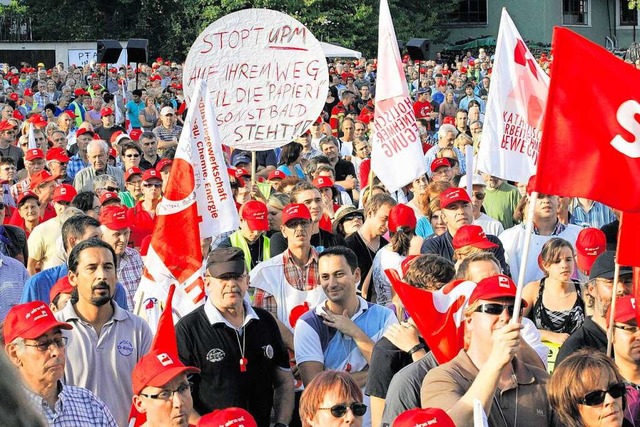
pixel 334 51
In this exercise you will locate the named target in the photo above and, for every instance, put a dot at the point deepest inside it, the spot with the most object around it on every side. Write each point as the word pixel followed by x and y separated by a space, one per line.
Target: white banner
pixel 266 73
pixel 198 203
pixel 396 151
pixel 82 57
pixel 515 109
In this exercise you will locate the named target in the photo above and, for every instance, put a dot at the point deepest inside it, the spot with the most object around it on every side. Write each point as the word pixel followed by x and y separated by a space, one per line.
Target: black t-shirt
pixel 386 361
pixel 611 232
pixel 106 133
pixel 365 256
pixel 215 350
pixel 320 240
pixel 344 169
pixel 589 335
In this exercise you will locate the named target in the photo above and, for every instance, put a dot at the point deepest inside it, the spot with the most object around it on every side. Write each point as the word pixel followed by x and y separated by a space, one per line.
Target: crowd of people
pixel 301 326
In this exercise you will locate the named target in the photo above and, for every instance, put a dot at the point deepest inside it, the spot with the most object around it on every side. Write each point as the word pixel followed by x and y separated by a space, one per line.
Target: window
pixel 575 12
pixel 469 12
pixel 626 17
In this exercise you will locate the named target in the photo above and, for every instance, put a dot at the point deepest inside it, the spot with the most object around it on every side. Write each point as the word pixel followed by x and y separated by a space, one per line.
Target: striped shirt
pixel 76 407
pixel 596 216
pixel 130 268
pixel 13 275
pixel 75 165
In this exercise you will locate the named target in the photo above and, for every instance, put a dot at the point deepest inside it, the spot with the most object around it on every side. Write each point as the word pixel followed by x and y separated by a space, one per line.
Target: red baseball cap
pixel 150 174
pixel 276 174
pixel 157 368
pixel 62 286
pixel 14 96
pixel 401 216
pixel 497 286
pixel 228 417
pixel 6 125
pixel 80 92
pixel 590 243
pixel 30 321
pixel 135 134
pixel 106 111
pixel 64 193
pixel 70 113
pixel 418 417
pixel 295 211
pixel 130 172
pixel 109 196
pixel 472 235
pixel 40 178
pixel 162 164
pixel 114 217
pixel 256 214
pixel 33 153
pixel 28 92
pixel 625 310
pixel 439 162
pixel 25 195
pixel 83 131
pixel 240 172
pixel 452 195
pixel 58 154
pixel 112 152
pixel 323 182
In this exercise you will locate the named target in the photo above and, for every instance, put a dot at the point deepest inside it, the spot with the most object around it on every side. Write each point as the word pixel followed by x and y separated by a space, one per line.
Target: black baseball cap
pixel 604 266
pixel 224 261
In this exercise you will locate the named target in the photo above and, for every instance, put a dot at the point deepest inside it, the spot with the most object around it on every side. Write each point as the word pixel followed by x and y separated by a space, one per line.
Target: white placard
pixel 81 57
pixel 266 73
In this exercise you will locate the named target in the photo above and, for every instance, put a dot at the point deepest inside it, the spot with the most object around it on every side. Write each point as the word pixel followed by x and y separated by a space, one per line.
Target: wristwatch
pixel 415 348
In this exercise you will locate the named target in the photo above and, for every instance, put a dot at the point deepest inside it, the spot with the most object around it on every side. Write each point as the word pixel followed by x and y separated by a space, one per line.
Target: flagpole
pixel 612 308
pixel 525 255
pixel 253 169
pixel 468 159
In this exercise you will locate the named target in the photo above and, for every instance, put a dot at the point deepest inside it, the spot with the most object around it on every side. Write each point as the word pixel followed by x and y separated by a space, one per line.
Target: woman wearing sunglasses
pixel 587 390
pixel 332 399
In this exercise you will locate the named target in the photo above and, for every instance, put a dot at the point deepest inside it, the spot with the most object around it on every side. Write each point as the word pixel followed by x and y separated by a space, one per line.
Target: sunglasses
pixel 479 196
pixel 596 398
pixel 340 410
pixel 152 184
pixel 495 309
pixel 352 216
pixel 132 155
pixel 111 189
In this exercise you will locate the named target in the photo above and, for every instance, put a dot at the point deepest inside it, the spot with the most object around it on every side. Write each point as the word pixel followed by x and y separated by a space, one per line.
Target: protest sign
pixel 396 151
pixel 266 75
pixel 515 108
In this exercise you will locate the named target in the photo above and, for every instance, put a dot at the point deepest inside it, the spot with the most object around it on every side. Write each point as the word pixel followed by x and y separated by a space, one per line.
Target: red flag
pixel 438 315
pixel 591 139
pixel 628 242
pixel 165 341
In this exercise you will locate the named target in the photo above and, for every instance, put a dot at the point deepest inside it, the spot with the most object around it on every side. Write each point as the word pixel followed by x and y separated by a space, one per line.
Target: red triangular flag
pixel 438 315
pixel 590 130
pixel 165 341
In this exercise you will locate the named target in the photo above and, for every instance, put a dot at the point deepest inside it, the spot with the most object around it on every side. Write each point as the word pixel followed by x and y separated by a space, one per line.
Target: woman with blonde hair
pixel 555 303
pixel 332 399
pixel 586 389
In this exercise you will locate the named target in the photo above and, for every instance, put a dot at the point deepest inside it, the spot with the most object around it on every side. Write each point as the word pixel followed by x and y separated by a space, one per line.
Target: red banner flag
pixel 591 138
pixel 629 240
pixel 438 315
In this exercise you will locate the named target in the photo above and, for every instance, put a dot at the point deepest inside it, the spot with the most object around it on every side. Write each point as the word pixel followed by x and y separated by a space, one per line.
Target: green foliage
pixel 173 25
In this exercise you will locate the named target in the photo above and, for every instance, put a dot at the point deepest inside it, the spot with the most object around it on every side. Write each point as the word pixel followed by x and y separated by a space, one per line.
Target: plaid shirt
pixel 302 278
pixel 560 227
pixel 75 165
pixel 76 407
pixel 130 268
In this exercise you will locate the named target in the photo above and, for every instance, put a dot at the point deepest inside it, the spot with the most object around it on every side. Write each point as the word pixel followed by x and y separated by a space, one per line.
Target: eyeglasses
pixel 628 328
pixel 152 184
pixel 495 309
pixel 295 223
pixel 134 182
pixel 340 410
pixel 45 345
pixel 111 189
pixel 479 196
pixel 132 155
pixel 596 397
pixel 168 394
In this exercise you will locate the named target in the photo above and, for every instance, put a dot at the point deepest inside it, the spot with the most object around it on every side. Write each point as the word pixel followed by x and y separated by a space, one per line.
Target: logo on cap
pixel 165 359
pixel 503 282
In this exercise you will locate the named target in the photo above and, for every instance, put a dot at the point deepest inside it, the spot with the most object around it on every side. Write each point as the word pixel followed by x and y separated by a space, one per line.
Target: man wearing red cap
pixel 37 348
pixel 238 347
pixel 161 389
pixel 441 170
pixel 79 160
pixel 108 128
pixel 488 366
pixel 133 187
pixel 446 135
pixel 106 341
pixel 456 212
pixel 43 240
pixel 57 161
pixel 143 214
pixel 33 162
pixel 254 222
pixel 7 141
pixel 77 106
pixel 98 155
pixel 116 229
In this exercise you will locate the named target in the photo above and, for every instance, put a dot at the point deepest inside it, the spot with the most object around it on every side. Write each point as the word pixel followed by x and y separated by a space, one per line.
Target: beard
pixel 97 301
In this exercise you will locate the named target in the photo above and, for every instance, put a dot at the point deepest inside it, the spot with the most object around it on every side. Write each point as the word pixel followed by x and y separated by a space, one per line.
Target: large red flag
pixel 628 252
pixel 165 341
pixel 438 315
pixel 591 138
